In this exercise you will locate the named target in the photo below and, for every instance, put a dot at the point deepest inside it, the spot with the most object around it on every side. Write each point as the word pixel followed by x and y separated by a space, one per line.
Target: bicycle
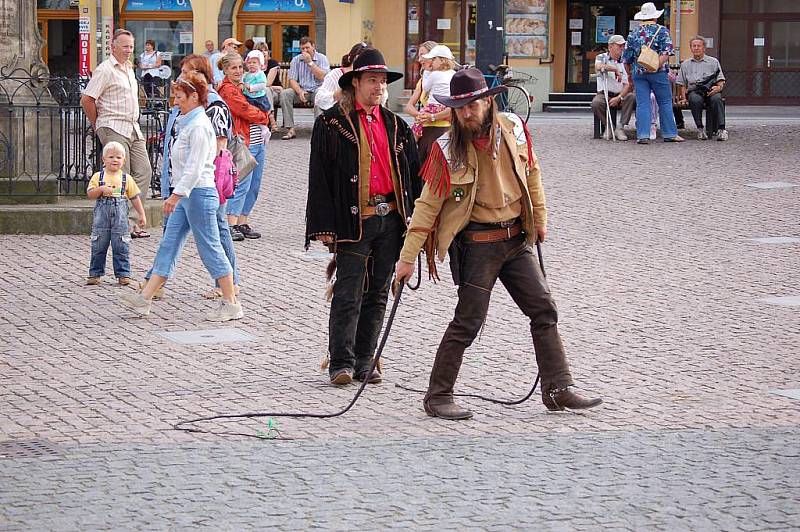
pixel 516 99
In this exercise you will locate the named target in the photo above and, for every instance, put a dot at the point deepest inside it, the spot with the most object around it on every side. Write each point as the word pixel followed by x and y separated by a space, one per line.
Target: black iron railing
pixel 47 145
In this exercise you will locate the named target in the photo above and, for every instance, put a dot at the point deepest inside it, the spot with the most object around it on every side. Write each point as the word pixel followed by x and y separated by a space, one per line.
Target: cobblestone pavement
pixel 662 305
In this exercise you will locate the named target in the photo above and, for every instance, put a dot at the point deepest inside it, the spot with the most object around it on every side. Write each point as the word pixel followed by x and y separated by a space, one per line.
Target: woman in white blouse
pixel 193 203
pixel 149 61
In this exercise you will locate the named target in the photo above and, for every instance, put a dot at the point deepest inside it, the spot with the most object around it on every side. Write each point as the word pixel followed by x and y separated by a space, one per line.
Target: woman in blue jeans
pixel 193 203
pixel 247 121
pixel 222 124
pixel 652 34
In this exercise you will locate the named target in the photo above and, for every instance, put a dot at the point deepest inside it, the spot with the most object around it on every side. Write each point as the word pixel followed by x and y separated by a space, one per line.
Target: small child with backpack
pixel 112 189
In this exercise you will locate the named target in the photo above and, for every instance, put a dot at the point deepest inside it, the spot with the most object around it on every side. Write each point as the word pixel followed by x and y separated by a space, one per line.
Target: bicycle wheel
pixel 518 101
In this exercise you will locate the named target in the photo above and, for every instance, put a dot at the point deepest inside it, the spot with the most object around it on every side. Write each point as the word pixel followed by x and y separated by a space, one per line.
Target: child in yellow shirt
pixel 112 189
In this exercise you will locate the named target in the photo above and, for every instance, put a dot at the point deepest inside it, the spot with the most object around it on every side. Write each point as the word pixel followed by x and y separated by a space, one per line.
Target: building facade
pixel 757 41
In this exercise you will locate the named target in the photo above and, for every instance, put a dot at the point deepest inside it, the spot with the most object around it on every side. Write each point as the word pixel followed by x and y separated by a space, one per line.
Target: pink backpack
pixel 225 175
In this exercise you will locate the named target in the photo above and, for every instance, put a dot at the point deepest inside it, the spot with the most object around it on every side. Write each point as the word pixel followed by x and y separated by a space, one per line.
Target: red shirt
pixel 380 171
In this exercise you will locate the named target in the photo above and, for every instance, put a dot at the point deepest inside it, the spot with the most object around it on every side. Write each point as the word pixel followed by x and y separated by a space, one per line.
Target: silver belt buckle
pixel 509 223
pixel 382 209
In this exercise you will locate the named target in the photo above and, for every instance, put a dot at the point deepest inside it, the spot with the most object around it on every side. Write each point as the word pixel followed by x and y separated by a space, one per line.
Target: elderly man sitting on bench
pixel 700 82
pixel 611 75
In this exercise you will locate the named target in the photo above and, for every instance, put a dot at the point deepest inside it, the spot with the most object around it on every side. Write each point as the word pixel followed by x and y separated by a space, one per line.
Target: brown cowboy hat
pixel 466 86
pixel 370 60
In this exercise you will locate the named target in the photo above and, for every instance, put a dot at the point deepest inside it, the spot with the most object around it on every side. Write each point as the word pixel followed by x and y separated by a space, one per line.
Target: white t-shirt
pixel 147 62
pixel 437 83
pixel 613 85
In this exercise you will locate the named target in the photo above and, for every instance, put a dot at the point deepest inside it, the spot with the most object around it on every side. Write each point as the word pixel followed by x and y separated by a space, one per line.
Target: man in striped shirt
pixel 111 103
pixel 306 73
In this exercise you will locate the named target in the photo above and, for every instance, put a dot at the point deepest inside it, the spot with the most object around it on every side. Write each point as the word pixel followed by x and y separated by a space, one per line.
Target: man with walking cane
pixel 613 89
pixel 483 199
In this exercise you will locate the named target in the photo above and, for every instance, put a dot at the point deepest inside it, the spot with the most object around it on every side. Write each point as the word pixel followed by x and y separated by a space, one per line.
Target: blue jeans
pixel 225 240
pixel 110 226
pixel 246 193
pixel 658 83
pixel 197 213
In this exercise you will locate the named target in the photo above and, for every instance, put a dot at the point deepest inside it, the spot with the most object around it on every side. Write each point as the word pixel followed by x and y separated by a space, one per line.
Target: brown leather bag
pixel 648 58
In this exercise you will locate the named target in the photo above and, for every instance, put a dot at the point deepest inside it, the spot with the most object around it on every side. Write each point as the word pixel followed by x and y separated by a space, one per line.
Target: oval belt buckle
pixel 382 209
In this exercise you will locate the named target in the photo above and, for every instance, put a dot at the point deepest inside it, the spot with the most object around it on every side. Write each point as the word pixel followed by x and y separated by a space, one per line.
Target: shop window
pixel 166 22
pixel 526 28
pixel 449 22
pixel 279 23
pixel 56 4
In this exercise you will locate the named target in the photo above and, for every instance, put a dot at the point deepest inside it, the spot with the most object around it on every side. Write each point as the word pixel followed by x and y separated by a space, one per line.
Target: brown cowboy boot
pixel 438 400
pixel 564 399
pixel 447 411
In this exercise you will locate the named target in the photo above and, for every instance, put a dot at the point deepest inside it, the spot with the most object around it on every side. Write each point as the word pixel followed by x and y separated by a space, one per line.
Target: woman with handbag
pixel 222 124
pixel 646 59
pixel 193 203
pixel 247 122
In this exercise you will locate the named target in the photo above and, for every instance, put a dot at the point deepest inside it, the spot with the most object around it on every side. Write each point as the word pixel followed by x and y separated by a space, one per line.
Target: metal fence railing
pixel 47 145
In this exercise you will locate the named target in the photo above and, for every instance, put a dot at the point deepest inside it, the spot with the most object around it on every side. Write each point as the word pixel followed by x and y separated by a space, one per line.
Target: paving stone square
pixel 661 296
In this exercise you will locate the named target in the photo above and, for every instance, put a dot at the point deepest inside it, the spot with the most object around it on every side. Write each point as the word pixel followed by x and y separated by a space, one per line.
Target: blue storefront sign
pixel 297 6
pixel 158 5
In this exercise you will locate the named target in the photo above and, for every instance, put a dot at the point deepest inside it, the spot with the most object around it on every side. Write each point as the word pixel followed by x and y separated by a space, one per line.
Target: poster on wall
pixel 526 6
pixel 606 27
pixel 526 27
pixel 303 6
pixel 526 46
pixel 158 5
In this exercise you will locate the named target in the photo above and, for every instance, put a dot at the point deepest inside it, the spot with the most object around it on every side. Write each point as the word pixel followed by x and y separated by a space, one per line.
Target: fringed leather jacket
pixel 333 175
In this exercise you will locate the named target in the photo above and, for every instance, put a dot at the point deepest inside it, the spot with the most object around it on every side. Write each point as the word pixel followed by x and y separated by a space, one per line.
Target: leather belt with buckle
pixel 381 209
pixel 493 235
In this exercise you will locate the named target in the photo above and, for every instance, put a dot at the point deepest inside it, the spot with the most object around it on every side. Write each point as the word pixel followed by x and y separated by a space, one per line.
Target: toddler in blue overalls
pixel 112 189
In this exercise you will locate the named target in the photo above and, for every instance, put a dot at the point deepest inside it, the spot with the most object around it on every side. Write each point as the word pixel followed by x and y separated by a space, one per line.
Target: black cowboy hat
pixel 370 60
pixel 466 86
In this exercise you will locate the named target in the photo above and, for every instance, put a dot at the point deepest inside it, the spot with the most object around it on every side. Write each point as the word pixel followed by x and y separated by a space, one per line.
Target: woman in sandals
pixel 222 124
pixel 192 204
pixel 247 122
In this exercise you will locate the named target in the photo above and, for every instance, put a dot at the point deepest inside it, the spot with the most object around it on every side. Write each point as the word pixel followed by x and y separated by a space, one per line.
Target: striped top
pixel 116 93
pixel 256 137
pixel 301 72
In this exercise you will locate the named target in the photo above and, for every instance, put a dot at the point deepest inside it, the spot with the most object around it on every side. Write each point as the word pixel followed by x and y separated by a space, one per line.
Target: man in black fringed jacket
pixel 363 181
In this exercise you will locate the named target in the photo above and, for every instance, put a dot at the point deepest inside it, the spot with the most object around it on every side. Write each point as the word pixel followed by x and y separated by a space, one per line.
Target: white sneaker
pixel 136 303
pixel 226 311
pixel 653 132
pixel 722 134
pixel 701 134
pixel 621 134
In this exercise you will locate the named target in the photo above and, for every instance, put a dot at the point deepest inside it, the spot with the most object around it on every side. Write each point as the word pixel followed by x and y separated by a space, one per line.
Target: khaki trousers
pixel 137 164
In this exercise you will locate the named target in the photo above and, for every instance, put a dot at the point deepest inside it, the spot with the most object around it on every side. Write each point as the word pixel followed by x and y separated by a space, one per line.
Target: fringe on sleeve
pixel 435 173
pixel 529 141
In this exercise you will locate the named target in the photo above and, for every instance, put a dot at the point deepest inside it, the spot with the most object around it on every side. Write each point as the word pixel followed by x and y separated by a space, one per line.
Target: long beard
pixel 473 130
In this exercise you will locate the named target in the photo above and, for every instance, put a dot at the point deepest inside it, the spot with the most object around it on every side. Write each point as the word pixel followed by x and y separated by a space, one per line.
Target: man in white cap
pixel 228 45
pixel 611 77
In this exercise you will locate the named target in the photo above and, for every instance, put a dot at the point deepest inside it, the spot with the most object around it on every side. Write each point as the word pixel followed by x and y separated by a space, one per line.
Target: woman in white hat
pixel 645 81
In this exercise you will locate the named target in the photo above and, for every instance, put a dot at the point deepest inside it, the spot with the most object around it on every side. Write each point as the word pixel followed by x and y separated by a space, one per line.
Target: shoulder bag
pixel 648 58
pixel 242 158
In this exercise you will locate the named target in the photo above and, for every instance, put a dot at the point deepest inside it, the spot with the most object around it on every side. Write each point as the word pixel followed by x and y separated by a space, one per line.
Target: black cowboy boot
pixel 563 398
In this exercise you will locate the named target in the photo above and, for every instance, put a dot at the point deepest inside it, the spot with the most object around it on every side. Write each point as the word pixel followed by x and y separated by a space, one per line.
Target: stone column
pixel 30 119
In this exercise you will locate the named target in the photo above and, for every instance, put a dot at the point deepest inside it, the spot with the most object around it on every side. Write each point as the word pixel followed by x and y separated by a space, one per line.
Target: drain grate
pixel 208 336
pixel 27 449
pixel 772 184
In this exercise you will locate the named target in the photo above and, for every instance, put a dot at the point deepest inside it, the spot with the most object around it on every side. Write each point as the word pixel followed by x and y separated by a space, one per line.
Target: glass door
pixel 290 40
pixel 590 25
pixel 761 60
pixel 782 76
